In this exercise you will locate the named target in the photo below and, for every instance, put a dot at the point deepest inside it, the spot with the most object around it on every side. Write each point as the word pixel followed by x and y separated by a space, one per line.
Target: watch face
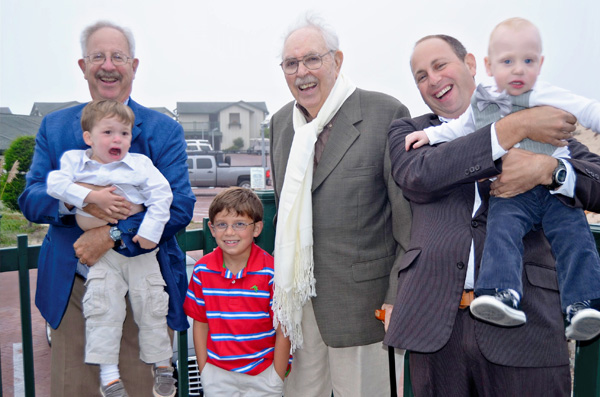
pixel 115 233
pixel 561 176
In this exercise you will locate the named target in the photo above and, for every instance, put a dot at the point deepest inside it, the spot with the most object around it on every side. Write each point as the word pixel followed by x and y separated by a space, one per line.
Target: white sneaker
pixel 502 308
pixel 584 321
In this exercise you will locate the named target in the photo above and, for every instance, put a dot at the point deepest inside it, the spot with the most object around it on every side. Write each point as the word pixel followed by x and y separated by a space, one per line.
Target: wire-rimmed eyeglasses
pixel 238 226
pixel 117 58
pixel 311 61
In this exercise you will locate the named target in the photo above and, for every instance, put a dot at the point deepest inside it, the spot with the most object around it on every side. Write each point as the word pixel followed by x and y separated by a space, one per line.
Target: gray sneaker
pixel 164 383
pixel 114 390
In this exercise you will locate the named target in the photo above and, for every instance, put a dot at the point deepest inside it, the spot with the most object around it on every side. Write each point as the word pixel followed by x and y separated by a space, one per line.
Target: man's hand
pixel 522 171
pixel 388 314
pixel 92 245
pixel 144 243
pixel 543 124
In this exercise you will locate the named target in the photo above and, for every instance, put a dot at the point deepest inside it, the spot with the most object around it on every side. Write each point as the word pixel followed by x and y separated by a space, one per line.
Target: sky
pixel 204 51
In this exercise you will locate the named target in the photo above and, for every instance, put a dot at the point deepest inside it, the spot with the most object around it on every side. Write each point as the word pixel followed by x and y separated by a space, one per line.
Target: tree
pixel 12 182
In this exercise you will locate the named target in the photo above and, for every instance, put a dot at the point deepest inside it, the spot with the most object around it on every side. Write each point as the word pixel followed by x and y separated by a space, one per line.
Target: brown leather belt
pixel 467 298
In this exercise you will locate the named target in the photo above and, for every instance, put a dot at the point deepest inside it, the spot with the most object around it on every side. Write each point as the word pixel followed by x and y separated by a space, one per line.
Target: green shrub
pixel 20 150
pixel 238 143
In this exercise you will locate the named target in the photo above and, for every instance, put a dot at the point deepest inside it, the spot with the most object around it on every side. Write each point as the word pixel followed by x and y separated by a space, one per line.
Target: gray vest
pixel 492 114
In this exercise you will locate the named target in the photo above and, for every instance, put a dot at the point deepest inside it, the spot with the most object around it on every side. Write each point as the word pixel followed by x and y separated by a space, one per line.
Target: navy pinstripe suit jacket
pixel 439 182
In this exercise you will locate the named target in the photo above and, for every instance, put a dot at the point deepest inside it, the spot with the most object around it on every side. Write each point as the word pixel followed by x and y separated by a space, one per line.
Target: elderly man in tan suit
pixel 342 222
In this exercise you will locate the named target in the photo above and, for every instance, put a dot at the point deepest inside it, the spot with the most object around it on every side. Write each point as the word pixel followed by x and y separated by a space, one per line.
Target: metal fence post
pixel 26 334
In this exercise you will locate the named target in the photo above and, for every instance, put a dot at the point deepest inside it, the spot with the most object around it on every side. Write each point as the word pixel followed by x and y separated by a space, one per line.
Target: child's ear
pixel 87 138
pixel 212 229
pixel 488 66
pixel 258 227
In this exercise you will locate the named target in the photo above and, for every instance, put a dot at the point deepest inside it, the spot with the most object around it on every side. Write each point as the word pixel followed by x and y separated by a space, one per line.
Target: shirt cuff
pixel 568 188
pixel 497 150
pixel 63 210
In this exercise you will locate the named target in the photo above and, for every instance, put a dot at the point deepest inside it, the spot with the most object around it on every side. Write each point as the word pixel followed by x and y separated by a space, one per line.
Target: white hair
pixel 90 30
pixel 313 21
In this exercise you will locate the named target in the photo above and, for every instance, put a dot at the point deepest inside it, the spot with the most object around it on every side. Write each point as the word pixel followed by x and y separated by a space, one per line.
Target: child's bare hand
pixel 415 140
pixel 144 243
pixel 106 200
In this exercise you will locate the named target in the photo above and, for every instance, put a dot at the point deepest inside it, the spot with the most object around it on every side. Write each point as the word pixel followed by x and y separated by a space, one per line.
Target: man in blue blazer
pixel 109 66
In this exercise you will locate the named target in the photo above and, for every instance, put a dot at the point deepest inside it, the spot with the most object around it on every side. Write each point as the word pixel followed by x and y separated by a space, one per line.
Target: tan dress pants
pixel 318 369
pixel 70 376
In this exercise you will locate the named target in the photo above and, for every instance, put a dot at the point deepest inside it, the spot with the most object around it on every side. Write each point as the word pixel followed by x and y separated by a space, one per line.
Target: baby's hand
pixel 105 199
pixel 416 140
pixel 144 243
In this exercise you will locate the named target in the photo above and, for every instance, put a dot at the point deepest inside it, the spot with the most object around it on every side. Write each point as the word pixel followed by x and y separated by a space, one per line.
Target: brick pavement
pixel 10 333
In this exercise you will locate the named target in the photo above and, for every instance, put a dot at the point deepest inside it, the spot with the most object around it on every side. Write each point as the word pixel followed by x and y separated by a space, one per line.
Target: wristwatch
pixel 115 235
pixel 559 175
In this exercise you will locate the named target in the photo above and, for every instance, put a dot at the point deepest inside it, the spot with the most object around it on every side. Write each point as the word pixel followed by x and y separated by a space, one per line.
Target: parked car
pixel 195 145
pixel 215 170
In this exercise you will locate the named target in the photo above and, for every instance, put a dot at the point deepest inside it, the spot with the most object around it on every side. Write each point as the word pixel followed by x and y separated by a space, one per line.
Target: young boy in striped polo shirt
pixel 230 297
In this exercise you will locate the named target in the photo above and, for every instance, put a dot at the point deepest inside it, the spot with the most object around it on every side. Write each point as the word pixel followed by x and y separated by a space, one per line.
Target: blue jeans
pixel 567 230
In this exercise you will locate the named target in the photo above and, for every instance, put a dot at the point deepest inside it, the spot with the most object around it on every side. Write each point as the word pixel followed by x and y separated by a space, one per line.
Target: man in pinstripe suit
pixel 452 354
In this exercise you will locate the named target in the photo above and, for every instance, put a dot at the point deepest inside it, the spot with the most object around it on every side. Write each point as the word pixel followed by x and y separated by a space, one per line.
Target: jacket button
pixel 474 223
pixel 472 169
pixel 460 265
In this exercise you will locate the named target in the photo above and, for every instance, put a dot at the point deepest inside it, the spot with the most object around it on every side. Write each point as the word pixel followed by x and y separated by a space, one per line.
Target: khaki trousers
pixel 317 369
pixel 70 376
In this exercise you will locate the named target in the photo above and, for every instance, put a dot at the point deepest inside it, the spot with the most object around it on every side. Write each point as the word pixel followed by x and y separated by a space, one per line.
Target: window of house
pixel 234 120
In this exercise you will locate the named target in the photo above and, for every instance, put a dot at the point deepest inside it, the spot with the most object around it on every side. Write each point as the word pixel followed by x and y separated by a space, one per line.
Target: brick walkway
pixel 10 333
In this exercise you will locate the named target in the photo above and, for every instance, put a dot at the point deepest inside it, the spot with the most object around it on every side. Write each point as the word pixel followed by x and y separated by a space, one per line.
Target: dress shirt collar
pixel 127 160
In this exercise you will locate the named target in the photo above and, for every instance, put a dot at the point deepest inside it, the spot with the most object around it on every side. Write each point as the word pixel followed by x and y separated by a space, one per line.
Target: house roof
pixel 43 108
pixel 164 110
pixel 216 107
pixel 5 110
pixel 13 126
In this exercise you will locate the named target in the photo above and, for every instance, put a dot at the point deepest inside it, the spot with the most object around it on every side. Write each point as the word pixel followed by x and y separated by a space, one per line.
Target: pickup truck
pixel 215 170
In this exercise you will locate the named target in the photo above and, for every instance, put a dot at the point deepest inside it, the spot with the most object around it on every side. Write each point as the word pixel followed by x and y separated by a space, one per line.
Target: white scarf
pixel 294 279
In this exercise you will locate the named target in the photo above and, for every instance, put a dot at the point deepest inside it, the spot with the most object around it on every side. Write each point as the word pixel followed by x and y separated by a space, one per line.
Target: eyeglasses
pixel 99 58
pixel 238 226
pixel 311 61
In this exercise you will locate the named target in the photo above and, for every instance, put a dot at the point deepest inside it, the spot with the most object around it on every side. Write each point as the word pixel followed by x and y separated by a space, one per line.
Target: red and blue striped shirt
pixel 237 308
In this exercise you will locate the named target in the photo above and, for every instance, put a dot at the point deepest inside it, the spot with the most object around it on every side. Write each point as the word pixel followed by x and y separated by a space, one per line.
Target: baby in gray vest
pixel 514 61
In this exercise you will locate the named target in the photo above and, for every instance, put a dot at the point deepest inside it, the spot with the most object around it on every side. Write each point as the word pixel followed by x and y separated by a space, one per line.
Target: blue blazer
pixel 155 135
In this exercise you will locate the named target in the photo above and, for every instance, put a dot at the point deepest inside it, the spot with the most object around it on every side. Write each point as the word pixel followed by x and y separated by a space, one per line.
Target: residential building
pixel 222 122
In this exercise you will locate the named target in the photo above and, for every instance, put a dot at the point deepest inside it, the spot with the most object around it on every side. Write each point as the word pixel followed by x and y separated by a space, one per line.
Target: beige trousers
pixel 70 376
pixel 317 369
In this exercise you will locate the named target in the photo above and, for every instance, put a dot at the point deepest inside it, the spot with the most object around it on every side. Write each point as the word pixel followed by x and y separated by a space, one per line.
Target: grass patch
pixel 13 223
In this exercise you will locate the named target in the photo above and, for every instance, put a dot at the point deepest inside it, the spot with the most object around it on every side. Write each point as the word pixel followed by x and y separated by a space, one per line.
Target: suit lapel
pixel 341 138
pixel 79 143
pixel 137 125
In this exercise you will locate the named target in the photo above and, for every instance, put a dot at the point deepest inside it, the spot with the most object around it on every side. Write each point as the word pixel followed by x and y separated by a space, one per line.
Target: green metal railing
pixel 24 258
